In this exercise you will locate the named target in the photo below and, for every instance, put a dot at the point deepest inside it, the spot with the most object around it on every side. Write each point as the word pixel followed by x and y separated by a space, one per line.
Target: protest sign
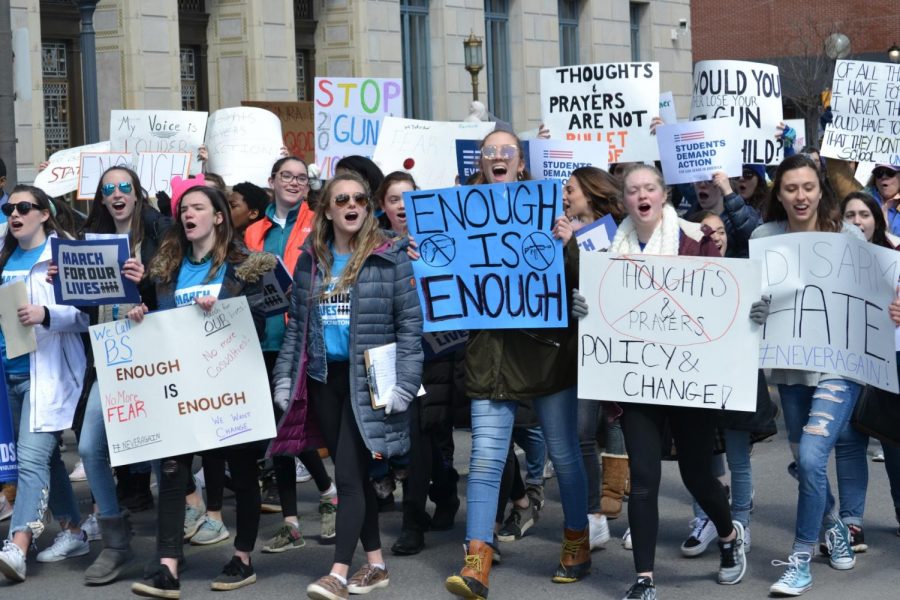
pixel 667 108
pixel 863 173
pixel 61 175
pixel 156 169
pixel 667 330
pixel 694 150
pixel 421 148
pixel 92 166
pixel 276 285
pixel 163 397
pixel 20 339
pixel 556 159
pixel 749 91
pixel 829 312
pixel 610 103
pixel 467 159
pixel 597 236
pixel 798 125
pixel 865 104
pixel 296 126
pixel 90 272
pixel 9 466
pixel 349 114
pixel 136 131
pixel 244 142
pixel 488 257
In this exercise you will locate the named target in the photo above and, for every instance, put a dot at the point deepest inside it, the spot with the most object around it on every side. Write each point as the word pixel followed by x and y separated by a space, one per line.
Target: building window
pixel 192 24
pixel 637 11
pixel 190 84
pixel 305 45
pixel 496 52
pixel 568 32
pixel 416 59
pixel 55 71
pixel 302 78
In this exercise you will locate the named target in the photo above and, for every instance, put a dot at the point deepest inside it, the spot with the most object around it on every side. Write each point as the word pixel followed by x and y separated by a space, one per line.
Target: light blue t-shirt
pixel 191 282
pixel 17 269
pixel 335 313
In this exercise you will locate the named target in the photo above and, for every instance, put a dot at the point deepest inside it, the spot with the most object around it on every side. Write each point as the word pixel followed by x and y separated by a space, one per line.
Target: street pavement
pixel 527 564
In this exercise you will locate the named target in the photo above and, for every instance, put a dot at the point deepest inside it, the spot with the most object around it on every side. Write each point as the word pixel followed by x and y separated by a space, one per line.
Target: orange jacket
pixel 255 236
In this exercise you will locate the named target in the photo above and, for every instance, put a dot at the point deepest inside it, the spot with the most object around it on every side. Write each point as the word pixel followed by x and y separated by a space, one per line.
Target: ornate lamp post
pixel 474 60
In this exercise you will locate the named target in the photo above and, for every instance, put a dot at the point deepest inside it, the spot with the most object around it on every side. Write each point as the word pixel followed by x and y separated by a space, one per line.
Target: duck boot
pixel 472 581
pixel 575 558
pixel 615 484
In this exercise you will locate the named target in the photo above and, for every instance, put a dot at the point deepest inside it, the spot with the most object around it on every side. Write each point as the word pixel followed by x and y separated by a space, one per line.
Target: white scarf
pixel 664 240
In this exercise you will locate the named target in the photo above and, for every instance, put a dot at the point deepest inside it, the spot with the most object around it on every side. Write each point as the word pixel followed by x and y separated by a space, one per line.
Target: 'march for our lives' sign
pixel 488 257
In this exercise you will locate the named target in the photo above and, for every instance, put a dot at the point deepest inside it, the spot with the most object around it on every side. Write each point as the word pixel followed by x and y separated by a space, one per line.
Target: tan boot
pixel 472 581
pixel 575 559
pixel 615 484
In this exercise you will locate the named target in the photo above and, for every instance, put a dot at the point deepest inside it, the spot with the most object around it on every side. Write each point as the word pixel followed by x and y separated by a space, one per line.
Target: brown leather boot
pixel 575 558
pixel 615 484
pixel 472 581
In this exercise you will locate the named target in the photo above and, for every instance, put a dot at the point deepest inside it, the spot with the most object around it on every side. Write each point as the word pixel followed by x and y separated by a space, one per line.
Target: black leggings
pixel 357 509
pixel 427 470
pixel 286 478
pixel 693 431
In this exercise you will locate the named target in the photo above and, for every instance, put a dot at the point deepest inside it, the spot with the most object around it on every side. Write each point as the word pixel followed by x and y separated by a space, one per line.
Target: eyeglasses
pixel 505 152
pixel 108 188
pixel 883 172
pixel 24 207
pixel 343 199
pixel 747 174
pixel 287 177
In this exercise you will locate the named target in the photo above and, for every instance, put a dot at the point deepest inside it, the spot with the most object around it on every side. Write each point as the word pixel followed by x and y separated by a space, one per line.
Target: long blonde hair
pixel 363 243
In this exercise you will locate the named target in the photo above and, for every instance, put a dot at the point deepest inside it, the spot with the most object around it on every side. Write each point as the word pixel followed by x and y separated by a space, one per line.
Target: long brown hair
pixel 364 242
pixel 603 191
pixel 175 246
pixel 828 217
pixel 100 220
pixel 51 225
pixel 879 234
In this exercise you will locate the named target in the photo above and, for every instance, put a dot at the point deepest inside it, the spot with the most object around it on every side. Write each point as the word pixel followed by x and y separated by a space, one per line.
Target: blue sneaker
pixel 840 550
pixel 796 578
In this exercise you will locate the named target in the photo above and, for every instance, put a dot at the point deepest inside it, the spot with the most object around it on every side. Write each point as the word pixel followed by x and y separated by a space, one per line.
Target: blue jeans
pixel 531 440
pixel 43 479
pixel 737 453
pixel 852 467
pixel 492 424
pixel 589 415
pixel 94 452
pixel 814 418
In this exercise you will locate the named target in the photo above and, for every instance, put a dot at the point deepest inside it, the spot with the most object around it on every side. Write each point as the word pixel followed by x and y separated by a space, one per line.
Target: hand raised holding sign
pixel 721 181
pixel 133 270
pixel 31 314
pixel 137 313
pixel 205 303
pixel 894 308
pixel 564 229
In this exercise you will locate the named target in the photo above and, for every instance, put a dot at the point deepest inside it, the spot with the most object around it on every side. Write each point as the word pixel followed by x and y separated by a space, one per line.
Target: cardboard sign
pixel 597 236
pixel 164 397
pixel 865 102
pixel 276 286
pixel 610 103
pixel 90 272
pixel 694 150
pixel 156 169
pixel 488 257
pixel 349 112
pixel 61 175
pixel 665 329
pixel 556 159
pixel 420 148
pixel 746 90
pixel 92 166
pixel 136 131
pixel 296 126
pixel 244 142
pixel 9 466
pixel 667 108
pixel 829 313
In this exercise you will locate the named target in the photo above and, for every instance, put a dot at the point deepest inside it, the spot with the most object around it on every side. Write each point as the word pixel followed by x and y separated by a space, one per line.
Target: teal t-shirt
pixel 18 268
pixel 191 282
pixel 334 310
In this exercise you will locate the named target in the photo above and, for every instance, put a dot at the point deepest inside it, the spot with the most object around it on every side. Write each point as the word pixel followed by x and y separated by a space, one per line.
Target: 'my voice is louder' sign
pixel 488 257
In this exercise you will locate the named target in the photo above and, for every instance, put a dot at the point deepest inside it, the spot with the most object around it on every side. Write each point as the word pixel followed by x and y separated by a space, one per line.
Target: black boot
pixel 415 524
pixel 123 483
pixel 140 498
pixel 116 553
pixel 446 501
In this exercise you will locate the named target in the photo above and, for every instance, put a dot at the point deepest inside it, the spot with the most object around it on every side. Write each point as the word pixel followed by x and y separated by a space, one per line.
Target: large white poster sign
pixel 611 102
pixel 746 90
pixel 556 159
pixel 829 312
pixel 161 396
pixel 244 142
pixel 694 150
pixel 156 170
pixel 667 330
pixel 137 131
pixel 865 102
pixel 424 149
pixel 92 166
pixel 61 175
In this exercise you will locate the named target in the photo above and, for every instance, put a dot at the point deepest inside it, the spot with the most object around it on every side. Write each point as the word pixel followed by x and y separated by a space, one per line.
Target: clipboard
pixel 20 339
pixel 381 373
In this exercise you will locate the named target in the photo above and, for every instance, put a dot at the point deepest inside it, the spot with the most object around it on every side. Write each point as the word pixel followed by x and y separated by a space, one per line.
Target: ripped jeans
pixel 814 418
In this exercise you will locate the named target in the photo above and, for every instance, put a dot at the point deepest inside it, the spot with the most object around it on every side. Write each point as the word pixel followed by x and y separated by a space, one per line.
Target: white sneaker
pixel 65 545
pixel 91 528
pixel 302 474
pixel 703 532
pixel 598 528
pixel 626 539
pixel 747 539
pixel 6 509
pixel 78 473
pixel 549 470
pixel 12 562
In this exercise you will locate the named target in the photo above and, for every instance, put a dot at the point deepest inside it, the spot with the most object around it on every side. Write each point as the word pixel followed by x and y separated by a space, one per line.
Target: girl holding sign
pixel 199 261
pixel 817 406
pixel 42 385
pixel 353 290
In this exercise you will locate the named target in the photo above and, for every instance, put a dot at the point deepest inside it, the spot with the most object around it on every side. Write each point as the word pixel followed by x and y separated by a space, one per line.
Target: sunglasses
pixel 24 207
pixel 287 177
pixel 108 188
pixel 505 152
pixel 343 199
pixel 881 173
